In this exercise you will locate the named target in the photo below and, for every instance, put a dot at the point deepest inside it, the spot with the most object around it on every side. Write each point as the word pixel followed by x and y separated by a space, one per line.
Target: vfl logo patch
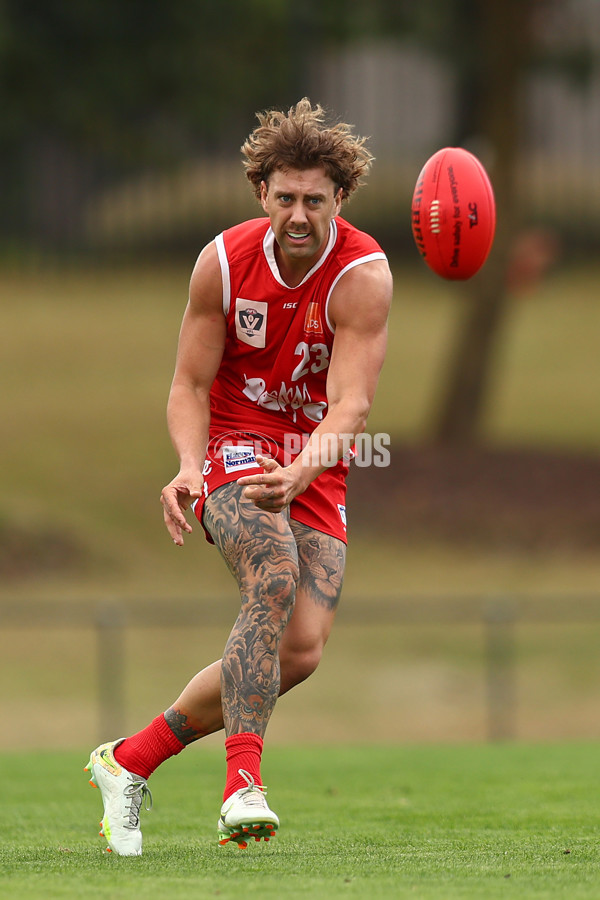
pixel 251 321
pixel 236 458
pixel 342 512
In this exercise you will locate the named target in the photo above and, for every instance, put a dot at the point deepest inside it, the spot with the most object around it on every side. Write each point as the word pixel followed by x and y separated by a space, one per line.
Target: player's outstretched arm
pixel 199 354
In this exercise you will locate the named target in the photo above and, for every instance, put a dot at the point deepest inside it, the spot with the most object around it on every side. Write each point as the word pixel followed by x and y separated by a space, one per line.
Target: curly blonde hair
pixel 301 139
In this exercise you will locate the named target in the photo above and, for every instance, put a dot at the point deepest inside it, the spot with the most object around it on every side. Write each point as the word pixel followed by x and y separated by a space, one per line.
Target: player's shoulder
pixel 360 260
pixel 364 283
pixel 245 236
pixel 206 282
pixel 353 241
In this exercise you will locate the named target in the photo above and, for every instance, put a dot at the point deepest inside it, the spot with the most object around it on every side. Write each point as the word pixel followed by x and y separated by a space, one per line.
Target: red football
pixel 453 213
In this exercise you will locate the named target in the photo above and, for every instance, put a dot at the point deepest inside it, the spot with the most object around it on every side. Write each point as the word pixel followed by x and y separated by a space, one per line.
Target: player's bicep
pixel 356 361
pixel 359 311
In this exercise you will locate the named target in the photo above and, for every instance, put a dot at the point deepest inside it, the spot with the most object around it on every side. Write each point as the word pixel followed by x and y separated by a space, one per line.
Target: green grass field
pixel 382 821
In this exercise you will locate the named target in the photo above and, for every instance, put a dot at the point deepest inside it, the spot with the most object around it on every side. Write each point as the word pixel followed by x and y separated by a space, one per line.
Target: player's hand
pixel 271 490
pixel 176 497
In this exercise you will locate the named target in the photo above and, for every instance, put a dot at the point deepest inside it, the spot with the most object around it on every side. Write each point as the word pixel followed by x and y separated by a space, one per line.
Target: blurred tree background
pixel 96 94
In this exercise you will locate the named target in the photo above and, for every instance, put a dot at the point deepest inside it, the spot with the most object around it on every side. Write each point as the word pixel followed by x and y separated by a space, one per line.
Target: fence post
pixel 499 622
pixel 110 670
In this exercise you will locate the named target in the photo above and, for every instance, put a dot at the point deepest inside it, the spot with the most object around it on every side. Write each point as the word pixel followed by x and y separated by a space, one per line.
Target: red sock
pixel 143 752
pixel 243 751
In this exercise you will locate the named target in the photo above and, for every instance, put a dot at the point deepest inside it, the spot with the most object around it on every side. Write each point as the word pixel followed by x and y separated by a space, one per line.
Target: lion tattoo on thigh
pixel 321 558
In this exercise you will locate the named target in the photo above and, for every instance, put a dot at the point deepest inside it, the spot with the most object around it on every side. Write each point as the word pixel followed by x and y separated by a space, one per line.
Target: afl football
pixel 453 213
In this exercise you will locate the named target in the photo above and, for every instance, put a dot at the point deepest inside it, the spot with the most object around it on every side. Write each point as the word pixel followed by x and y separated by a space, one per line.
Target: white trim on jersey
pixel 355 262
pixel 224 263
pixel 269 251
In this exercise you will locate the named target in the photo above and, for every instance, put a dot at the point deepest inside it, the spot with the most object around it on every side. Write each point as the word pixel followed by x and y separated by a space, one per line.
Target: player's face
pixel 301 205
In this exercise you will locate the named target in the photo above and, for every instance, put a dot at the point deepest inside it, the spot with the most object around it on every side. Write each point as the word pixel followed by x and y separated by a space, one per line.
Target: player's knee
pixel 299 662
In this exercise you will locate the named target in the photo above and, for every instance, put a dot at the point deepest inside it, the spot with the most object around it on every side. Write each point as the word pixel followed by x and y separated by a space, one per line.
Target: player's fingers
pixel 268 463
pixel 268 497
pixel 253 491
pixel 185 496
pixel 258 478
pixel 173 528
pixel 271 504
pixel 268 476
pixel 264 483
pixel 171 501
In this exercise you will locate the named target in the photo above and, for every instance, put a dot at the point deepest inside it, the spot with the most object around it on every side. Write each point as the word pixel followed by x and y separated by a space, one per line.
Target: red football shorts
pixel 321 506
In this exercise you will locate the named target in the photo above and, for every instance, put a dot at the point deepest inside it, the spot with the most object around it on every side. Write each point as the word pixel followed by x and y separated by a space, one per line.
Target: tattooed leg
pixel 260 551
pixel 197 711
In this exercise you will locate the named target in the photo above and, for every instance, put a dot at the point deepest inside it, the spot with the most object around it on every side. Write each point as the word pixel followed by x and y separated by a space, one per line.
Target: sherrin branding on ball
pixel 453 213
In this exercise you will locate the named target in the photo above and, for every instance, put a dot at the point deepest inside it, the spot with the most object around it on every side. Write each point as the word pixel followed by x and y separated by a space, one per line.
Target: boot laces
pixel 254 794
pixel 137 792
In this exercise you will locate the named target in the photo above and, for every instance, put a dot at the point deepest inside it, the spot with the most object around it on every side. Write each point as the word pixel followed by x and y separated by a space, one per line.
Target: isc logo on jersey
pixel 251 321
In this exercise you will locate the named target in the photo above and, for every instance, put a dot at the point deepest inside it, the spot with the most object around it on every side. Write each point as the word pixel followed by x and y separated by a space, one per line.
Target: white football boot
pixel 122 796
pixel 246 815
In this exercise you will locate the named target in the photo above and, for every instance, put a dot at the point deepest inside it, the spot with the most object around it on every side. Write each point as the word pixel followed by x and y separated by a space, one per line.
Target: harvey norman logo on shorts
pixel 236 458
pixel 251 321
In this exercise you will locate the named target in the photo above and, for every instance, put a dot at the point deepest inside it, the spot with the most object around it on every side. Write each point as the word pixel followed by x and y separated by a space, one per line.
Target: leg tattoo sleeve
pixel 260 551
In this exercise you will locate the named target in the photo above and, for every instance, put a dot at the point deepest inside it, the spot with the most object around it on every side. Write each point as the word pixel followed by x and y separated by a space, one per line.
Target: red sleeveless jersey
pixel 269 392
pixel 279 338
